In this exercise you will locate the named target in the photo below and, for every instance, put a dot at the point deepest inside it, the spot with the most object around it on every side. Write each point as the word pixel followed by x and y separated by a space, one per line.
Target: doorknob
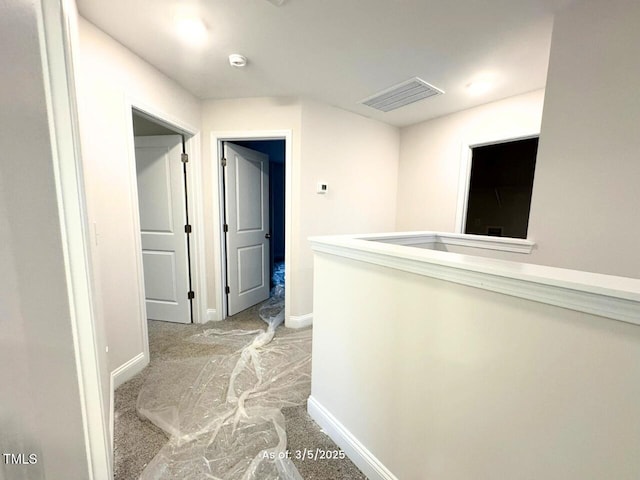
pixel 267 235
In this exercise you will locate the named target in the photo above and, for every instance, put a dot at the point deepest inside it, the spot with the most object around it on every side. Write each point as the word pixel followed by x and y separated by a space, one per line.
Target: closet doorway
pixel 253 199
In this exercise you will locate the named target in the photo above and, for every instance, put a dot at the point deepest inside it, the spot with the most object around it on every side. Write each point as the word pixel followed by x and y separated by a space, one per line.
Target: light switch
pixel 322 187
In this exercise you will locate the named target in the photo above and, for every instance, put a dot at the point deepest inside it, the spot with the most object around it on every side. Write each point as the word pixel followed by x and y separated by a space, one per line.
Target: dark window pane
pixel 500 188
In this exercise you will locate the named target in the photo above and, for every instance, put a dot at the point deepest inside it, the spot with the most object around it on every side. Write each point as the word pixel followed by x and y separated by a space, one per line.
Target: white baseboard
pixel 212 315
pixel 120 375
pixel 128 370
pixel 299 321
pixel 356 451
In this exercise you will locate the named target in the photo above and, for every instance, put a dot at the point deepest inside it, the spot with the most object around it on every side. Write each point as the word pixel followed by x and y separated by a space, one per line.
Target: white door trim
pixel 465 167
pixel 240 207
pixel 60 37
pixel 217 137
pixel 194 195
pixel 196 218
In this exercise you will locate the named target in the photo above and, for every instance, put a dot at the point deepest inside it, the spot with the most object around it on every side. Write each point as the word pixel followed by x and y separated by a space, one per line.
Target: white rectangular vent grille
pixel 402 94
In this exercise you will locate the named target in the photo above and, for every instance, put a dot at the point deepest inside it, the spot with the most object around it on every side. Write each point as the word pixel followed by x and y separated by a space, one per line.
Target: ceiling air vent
pixel 402 94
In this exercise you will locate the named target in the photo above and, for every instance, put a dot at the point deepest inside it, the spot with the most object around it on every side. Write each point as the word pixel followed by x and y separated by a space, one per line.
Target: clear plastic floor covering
pixel 222 413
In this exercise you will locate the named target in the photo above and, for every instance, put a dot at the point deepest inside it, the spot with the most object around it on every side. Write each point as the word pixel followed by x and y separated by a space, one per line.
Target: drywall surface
pixel 40 409
pixel 584 211
pixel 250 115
pixel 358 159
pixel 111 78
pixel 585 191
pixel 441 380
pixel 431 151
pixel 356 156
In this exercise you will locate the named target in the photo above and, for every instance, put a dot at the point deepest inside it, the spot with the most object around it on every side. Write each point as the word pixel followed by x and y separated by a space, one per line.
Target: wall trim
pixel 505 244
pixel 196 219
pixel 366 461
pixel 120 375
pixel 59 44
pixel 192 145
pixel 129 369
pixel 217 202
pixel 464 177
pixel 112 416
pixel 608 296
pixel 212 315
pixel 299 321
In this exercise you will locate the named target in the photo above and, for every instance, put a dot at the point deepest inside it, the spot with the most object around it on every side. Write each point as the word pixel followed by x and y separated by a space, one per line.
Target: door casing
pixel 196 219
pixel 217 139
pixel 254 237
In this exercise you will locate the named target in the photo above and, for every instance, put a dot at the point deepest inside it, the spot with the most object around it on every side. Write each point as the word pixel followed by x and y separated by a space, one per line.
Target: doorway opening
pixel 500 188
pixel 252 186
pixel 497 200
pixel 162 191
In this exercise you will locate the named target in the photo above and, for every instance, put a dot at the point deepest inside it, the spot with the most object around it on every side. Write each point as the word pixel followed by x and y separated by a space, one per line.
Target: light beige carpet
pixel 137 441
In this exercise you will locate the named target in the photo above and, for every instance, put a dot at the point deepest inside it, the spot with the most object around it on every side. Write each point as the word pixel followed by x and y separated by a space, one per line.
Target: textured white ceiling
pixel 341 51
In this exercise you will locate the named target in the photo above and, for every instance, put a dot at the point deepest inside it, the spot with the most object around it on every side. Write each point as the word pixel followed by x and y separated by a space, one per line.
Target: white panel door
pixel 161 198
pixel 247 217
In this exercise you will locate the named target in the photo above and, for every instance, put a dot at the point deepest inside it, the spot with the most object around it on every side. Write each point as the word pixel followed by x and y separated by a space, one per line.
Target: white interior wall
pixel 447 381
pixel 584 211
pixel 248 115
pixel 111 74
pixel 585 192
pixel 431 152
pixel 355 155
pixel 111 78
pixel 358 158
pixel 43 399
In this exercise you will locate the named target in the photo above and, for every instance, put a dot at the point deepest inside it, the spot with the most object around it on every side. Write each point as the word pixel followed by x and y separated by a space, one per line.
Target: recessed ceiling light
pixel 192 30
pixel 479 87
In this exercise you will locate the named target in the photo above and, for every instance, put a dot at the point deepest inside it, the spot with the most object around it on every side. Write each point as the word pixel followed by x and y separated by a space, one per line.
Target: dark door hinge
pixel 227 290
pixel 191 295
pixel 225 228
pixel 223 161
pixel 187 229
pixel 185 157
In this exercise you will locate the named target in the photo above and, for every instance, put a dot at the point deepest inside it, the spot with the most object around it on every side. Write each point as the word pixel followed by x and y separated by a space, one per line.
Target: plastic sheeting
pixel 278 274
pixel 272 311
pixel 222 412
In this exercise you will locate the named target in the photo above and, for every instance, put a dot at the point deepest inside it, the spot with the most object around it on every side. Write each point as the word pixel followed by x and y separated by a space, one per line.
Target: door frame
pixel 217 139
pixel 58 31
pixel 194 197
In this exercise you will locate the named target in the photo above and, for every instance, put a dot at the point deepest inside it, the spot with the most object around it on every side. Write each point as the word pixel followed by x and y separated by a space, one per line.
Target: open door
pixel 161 198
pixel 247 227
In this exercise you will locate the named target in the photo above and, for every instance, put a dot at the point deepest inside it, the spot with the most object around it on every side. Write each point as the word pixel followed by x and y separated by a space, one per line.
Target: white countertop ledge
pixel 608 296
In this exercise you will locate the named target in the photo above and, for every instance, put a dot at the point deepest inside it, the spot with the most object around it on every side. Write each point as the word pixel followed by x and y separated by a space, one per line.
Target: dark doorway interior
pixel 276 151
pixel 500 188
